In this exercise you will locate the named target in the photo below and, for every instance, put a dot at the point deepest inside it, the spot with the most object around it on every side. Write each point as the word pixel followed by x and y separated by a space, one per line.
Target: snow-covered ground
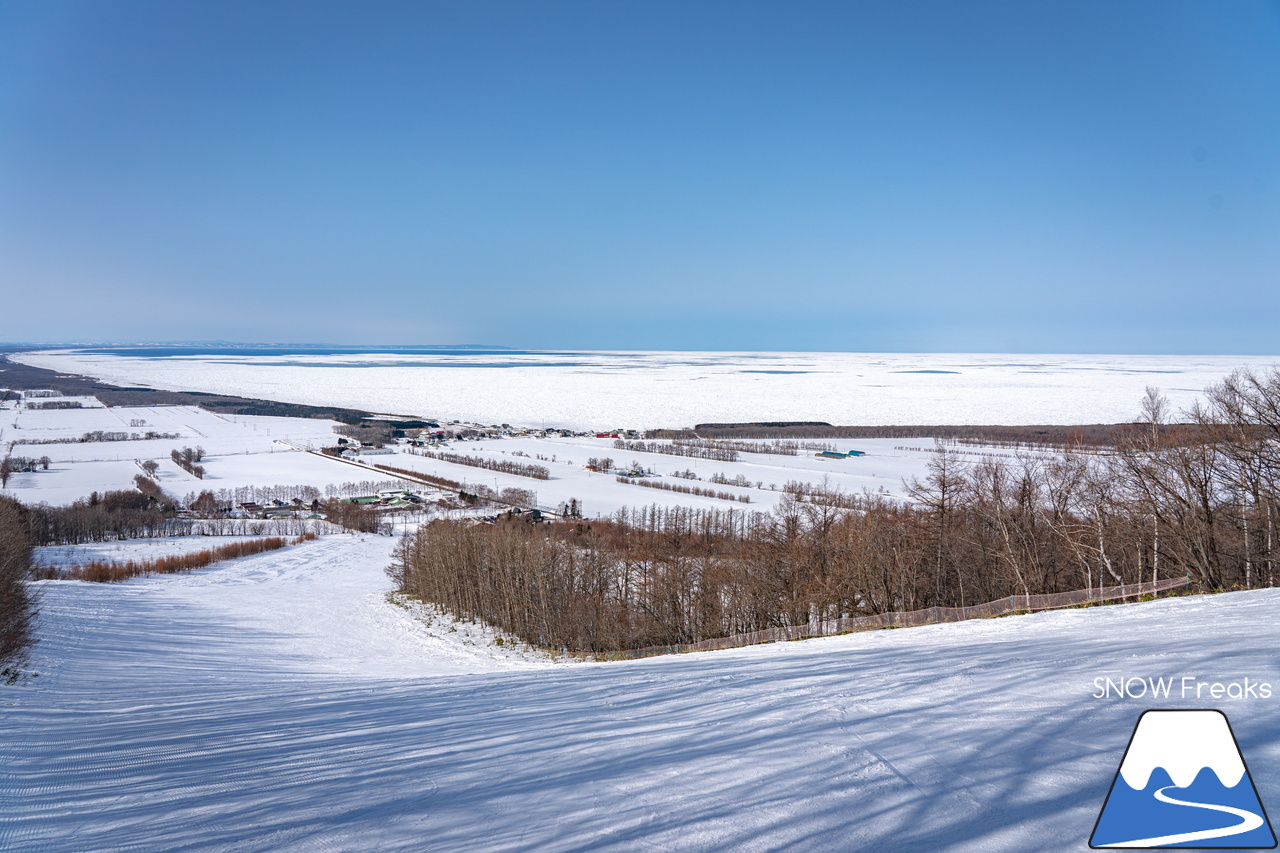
pixel 192 424
pixel 129 549
pixel 673 389
pixel 240 450
pixel 266 451
pixel 281 703
pixel 887 464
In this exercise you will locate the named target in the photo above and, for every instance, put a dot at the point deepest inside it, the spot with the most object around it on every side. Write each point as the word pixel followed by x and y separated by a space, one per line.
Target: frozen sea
pixel 674 389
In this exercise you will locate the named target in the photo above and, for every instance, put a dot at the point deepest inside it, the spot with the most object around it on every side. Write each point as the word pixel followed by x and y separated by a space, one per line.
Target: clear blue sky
pixel 931 176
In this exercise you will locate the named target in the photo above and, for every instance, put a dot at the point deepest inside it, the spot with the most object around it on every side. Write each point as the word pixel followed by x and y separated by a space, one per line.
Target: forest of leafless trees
pixel 1201 503
pixel 101 517
pixel 17 604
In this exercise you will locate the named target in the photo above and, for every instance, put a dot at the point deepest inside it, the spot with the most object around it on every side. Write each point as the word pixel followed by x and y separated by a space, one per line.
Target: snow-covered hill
pixel 280 703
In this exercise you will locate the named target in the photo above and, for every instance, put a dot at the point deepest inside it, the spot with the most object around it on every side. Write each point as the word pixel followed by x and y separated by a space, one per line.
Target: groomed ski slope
pixel 279 703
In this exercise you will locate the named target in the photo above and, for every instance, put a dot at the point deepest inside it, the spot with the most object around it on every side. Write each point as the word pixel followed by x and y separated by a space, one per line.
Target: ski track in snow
pixel 280 703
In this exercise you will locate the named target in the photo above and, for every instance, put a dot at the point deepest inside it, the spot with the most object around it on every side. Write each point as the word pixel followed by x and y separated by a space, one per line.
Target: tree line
pixel 1200 503
pixel 107 571
pixel 11 465
pixel 55 404
pixel 210 501
pixel 187 459
pixel 353 489
pixel 685 490
pixel 505 466
pixel 1042 436
pixel 429 479
pixel 776 447
pixel 17 604
pixel 101 517
pixel 470 493
pixel 693 448
pixel 99 435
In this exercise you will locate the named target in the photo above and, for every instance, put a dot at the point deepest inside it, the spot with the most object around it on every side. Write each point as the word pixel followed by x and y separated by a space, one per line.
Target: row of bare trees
pixel 1013 437
pixel 106 571
pixel 186 459
pixel 211 501
pixel 776 447
pixel 693 448
pixel 685 490
pixel 98 435
pixel 11 465
pixel 349 489
pixel 421 477
pixel 1201 503
pixel 504 466
pixel 56 404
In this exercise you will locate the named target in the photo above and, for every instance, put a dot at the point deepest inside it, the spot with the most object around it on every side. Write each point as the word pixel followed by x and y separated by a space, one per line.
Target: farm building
pixel 367 451
pixel 833 454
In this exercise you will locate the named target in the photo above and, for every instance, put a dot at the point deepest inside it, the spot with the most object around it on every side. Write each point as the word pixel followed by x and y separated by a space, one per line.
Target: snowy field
pixel 129 549
pixel 240 450
pixel 265 451
pixel 193 425
pixel 601 390
pixel 887 463
pixel 280 703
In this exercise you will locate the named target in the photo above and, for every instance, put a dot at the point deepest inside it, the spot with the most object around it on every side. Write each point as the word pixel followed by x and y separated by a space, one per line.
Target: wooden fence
pixel 914 618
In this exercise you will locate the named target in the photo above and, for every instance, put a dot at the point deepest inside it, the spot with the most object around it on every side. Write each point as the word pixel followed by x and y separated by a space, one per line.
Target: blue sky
pixel 890 176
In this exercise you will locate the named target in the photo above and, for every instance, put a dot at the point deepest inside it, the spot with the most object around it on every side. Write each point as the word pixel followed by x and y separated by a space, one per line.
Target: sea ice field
pixel 584 390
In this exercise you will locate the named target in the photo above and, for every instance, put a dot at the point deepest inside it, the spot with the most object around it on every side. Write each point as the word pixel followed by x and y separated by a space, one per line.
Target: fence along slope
pixel 915 618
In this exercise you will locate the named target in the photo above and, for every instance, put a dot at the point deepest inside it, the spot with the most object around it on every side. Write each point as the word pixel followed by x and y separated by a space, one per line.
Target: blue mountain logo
pixel 1183 783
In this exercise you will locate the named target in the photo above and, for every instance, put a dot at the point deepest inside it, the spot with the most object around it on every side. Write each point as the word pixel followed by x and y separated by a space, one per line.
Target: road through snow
pixel 279 703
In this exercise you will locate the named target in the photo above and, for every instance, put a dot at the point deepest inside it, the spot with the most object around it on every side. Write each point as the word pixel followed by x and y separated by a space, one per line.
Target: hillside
pixel 279 703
